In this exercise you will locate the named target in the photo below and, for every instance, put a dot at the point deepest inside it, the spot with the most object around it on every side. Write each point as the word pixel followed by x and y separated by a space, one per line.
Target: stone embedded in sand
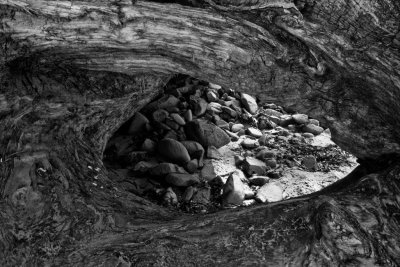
pixel 249 103
pixel 164 168
pixel 182 179
pixel 270 192
pixel 149 145
pixel 254 132
pixel 173 151
pixel 233 190
pixel 300 118
pixel 314 129
pixel 206 133
pixel 254 166
pixel 259 180
pixel 160 115
pixel 178 119
pixel 198 104
pixel 250 143
pixel 138 123
pixel 310 162
pixel 213 153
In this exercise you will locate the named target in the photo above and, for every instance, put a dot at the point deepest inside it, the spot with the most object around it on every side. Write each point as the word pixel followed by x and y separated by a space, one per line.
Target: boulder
pixel 173 151
pixel 206 133
pixel 249 103
pixel 138 123
pixel 233 190
pixel 300 118
pixel 164 168
pixel 270 192
pixel 182 179
pixel 254 166
pixel 312 128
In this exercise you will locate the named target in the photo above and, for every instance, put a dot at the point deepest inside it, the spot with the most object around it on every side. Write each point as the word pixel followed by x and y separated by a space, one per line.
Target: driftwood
pixel 71 72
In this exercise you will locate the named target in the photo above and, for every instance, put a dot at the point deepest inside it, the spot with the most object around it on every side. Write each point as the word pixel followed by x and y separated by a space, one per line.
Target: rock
pixel 270 192
pixel 138 123
pixel 212 96
pixel 214 107
pixel 214 86
pixel 182 179
pixel 208 172
pixel 249 103
pixel 192 165
pixel 291 127
pixel 202 196
pixel 271 112
pixel 254 166
pixel 177 118
pixel 250 143
pixel 314 129
pixel 171 134
pixel 314 121
pixel 149 145
pixel 259 180
pixel 188 194
pixel 206 133
pixel 160 115
pixel 169 197
pixel 229 111
pixel 195 150
pixel 233 136
pixel 310 162
pixel 172 124
pixel 233 190
pixel 254 132
pixel 248 193
pixel 308 135
pixel 300 118
pixel 188 115
pixel 271 163
pixel 248 202
pixel 286 120
pixel 222 124
pixel 213 153
pixel 173 151
pixel 266 154
pixel 275 120
pixel 164 168
pixel 167 101
pixel 274 174
pixel 238 160
pixel 263 139
pixel 144 166
pixel 237 127
pixel 198 104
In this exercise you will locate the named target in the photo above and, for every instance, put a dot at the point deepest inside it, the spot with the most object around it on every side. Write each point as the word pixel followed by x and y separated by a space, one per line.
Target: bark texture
pixel 72 72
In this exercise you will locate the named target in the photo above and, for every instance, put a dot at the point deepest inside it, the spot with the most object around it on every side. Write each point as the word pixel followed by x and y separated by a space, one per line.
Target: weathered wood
pixel 72 72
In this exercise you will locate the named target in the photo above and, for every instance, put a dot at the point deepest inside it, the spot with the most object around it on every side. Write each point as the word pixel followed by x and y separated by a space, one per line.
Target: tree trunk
pixel 72 72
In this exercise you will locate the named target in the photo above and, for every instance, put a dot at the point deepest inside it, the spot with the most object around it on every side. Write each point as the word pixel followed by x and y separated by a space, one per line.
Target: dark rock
pixel 271 163
pixel 274 174
pixel 233 190
pixel 310 162
pixel 160 115
pixel 259 180
pixel 173 151
pixel 182 179
pixel 249 103
pixel 138 123
pixel 270 192
pixel 172 124
pixel 238 160
pixel 163 169
pixel 171 134
pixel 286 120
pixel 263 139
pixel 300 118
pixel 213 153
pixel 314 129
pixel 195 150
pixel 144 166
pixel 167 101
pixel 254 166
pixel 222 124
pixel 229 111
pixel 206 133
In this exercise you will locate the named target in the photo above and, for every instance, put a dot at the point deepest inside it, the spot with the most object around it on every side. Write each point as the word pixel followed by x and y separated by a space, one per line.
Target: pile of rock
pixel 170 141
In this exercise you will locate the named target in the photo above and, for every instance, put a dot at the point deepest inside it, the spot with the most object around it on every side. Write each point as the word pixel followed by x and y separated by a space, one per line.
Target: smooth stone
pixel 149 145
pixel 188 194
pixel 314 129
pixel 169 197
pixel 254 166
pixel 270 192
pixel 237 127
pixel 254 132
pixel 188 115
pixel 173 150
pixel 208 172
pixel 259 180
pixel 192 165
pixel 206 133
pixel 138 123
pixel 164 168
pixel 233 190
pixel 250 143
pixel 300 118
pixel 160 115
pixel 249 103
pixel 182 179
pixel 214 86
pixel 177 118
pixel 308 135
pixel 310 162
pixel 234 137
pixel 314 121
pixel 212 96
pixel 213 153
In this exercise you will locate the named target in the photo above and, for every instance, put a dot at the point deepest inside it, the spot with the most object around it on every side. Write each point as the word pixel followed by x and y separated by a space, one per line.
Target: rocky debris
pixel 173 151
pixel 144 166
pixel 202 196
pixel 312 128
pixel 270 192
pixel 206 133
pixel 233 190
pixel 313 121
pixel 182 179
pixel 254 166
pixel 138 123
pixel 300 118
pixel 249 103
pixel 195 150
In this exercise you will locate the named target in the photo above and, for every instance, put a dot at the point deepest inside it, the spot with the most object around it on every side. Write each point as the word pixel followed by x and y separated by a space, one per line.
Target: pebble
pixel 254 166
pixel 271 163
pixel 182 179
pixel 202 196
pixel 144 166
pixel 222 124
pixel 286 120
pixel 192 165
pixel 300 118
pixel 178 119
pixel 167 101
pixel 188 194
pixel 198 104
pixel 214 107
pixel 314 129
pixel 172 124
pixel 263 139
pixel 229 111
pixel 308 135
pixel 214 86
pixel 173 151
pixel 212 96
pixel 270 192
pixel 254 132
pixel 238 160
pixel 249 103
pixel 271 112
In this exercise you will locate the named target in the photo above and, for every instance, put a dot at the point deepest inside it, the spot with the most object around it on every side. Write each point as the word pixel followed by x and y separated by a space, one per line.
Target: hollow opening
pixel 199 147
